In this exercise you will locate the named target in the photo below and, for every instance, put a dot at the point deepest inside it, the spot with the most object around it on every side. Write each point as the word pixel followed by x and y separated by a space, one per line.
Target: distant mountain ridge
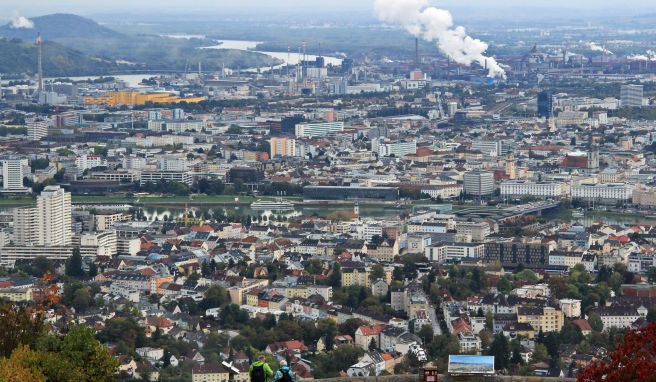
pixel 19 57
pixel 77 46
pixel 59 26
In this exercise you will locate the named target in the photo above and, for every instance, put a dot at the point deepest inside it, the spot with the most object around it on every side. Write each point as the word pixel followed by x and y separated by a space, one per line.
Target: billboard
pixel 471 364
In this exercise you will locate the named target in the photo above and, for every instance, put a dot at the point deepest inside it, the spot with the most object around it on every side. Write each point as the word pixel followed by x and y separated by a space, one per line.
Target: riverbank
pixel 198 200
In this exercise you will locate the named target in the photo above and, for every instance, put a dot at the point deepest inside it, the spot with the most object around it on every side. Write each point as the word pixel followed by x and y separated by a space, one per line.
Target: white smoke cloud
pixel 20 22
pixel 433 24
pixel 598 48
pixel 650 55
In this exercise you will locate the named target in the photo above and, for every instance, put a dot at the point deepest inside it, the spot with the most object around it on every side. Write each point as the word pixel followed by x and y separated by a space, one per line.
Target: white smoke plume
pixel 649 56
pixel 20 22
pixel 598 48
pixel 433 24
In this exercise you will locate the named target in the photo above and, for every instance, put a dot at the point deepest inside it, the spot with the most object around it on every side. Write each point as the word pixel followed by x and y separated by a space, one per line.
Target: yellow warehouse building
pixel 136 98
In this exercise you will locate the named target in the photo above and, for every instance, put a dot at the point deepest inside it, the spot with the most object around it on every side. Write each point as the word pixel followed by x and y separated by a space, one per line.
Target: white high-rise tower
pixel 53 208
pixel 46 224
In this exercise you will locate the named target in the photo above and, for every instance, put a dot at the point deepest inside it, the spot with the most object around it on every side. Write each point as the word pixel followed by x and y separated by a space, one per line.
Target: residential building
pixel 545 319
pixel 631 95
pixel 320 129
pixel 606 193
pixel 356 276
pixel 209 372
pixel 282 147
pixel 37 129
pixel 13 172
pixel 398 149
pixel 478 183
pixel 168 176
pixel 519 188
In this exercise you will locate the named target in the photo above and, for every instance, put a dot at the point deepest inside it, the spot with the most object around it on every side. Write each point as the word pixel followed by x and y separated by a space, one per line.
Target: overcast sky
pixel 32 8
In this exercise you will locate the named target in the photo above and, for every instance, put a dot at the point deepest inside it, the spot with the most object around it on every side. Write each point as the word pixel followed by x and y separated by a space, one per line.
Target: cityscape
pixel 393 190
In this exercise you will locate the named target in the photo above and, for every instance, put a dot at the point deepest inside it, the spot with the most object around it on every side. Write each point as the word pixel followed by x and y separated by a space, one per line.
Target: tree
pixel 93 270
pixel 372 344
pixel 81 299
pixel 651 275
pixel 20 367
pixel 18 328
pixel 504 285
pixel 350 326
pixel 426 333
pixel 516 358
pixel 329 364
pixel 41 265
pixel 489 320
pixel 215 297
pixel 633 360
pixel 539 353
pixel 397 274
pixel 570 333
pixel 651 315
pixel 84 352
pixel 500 349
pixel 595 322
pixel 377 272
pixel 74 264
pixel 75 356
pixel 234 129
pixel 335 278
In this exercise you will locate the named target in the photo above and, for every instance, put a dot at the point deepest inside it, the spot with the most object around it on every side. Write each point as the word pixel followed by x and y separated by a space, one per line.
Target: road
pixel 433 318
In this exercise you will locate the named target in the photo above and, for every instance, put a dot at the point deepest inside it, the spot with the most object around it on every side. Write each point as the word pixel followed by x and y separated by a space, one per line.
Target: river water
pixel 390 212
pixel 374 211
pixel 293 58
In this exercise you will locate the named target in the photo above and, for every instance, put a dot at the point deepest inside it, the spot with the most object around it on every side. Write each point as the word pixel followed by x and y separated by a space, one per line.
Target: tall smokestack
pixel 39 47
pixel 416 51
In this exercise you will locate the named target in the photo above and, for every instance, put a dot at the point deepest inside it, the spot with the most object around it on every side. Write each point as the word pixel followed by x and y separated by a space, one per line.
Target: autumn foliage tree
pixel 29 352
pixel 634 360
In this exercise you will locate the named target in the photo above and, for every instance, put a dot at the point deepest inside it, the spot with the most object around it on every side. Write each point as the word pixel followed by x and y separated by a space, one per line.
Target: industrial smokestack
pixel 39 48
pixel 416 51
pixel 433 24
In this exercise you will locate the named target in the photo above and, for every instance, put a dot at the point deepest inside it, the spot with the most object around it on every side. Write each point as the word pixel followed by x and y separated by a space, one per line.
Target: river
pixel 293 58
pixel 391 212
pixel 373 211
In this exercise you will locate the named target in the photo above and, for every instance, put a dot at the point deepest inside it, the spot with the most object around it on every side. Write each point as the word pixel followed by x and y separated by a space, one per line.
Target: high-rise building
pixel 318 129
pixel 478 183
pixel 511 166
pixel 13 172
pixel 37 129
pixel 46 224
pixel 631 95
pixel 24 226
pixel 178 114
pixel 283 147
pixel 489 148
pixel 398 149
pixel 545 104
pixel 53 208
pixel 452 107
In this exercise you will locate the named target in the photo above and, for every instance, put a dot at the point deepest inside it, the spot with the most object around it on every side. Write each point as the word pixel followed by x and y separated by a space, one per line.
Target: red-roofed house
pixel 584 326
pixel 364 334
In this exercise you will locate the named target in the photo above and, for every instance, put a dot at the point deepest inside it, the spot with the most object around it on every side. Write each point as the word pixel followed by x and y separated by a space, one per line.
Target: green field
pixel 16 201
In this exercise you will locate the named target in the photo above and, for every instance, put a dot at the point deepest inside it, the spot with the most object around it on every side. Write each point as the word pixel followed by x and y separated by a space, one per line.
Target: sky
pixel 33 8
